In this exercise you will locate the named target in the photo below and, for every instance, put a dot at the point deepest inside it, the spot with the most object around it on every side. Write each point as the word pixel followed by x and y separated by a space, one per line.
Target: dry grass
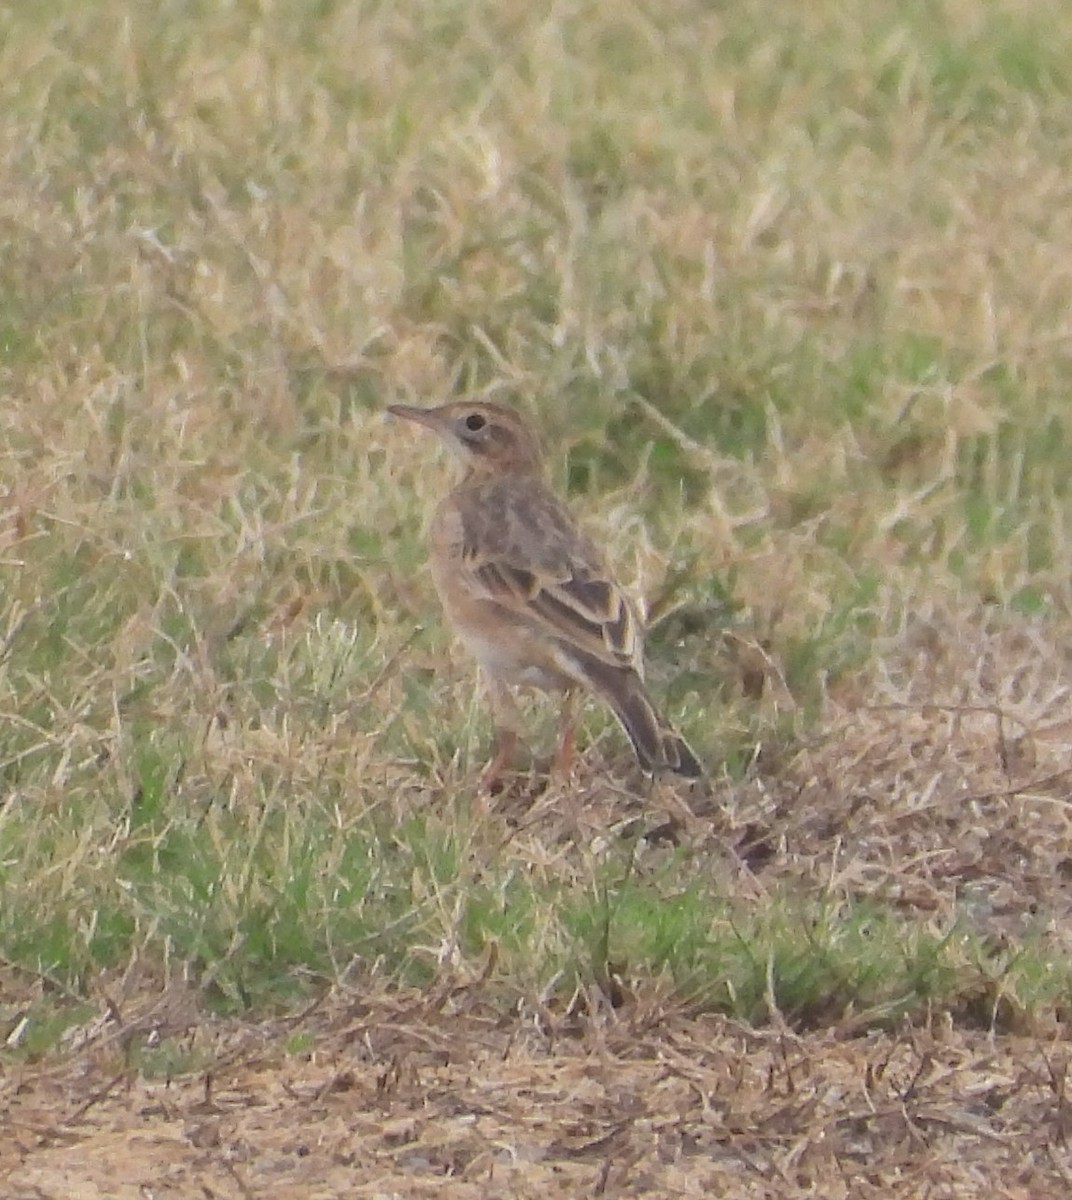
pixel 788 293
pixel 428 1095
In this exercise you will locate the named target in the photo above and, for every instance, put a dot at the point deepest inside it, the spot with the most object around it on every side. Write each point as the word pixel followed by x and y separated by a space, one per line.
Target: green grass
pixel 786 293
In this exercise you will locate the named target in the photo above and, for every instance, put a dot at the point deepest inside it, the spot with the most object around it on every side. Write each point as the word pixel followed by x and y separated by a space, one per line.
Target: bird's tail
pixel 658 746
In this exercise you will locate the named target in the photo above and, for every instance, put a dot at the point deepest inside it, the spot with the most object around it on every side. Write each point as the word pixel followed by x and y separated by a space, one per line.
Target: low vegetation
pixel 787 292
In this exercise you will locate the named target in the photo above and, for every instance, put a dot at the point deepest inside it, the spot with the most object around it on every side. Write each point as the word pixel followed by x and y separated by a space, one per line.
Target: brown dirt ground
pixel 432 1096
pixel 943 789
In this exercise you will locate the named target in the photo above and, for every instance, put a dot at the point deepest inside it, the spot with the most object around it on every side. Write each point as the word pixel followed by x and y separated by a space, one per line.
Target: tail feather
pixel 638 718
pixel 657 745
pixel 678 755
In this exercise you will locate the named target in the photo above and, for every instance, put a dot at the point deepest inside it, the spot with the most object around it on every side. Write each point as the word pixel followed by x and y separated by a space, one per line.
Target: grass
pixel 787 293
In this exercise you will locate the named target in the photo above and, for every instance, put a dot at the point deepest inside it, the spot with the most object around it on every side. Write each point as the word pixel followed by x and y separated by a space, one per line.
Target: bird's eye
pixel 474 422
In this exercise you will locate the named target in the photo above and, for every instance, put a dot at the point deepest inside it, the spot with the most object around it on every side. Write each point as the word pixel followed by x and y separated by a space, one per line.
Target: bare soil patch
pixel 422 1096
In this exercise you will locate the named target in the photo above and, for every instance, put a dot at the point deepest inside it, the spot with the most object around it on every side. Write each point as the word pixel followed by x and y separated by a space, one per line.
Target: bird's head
pixel 489 438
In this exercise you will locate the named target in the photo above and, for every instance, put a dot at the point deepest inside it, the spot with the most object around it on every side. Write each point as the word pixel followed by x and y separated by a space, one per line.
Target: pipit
pixel 530 595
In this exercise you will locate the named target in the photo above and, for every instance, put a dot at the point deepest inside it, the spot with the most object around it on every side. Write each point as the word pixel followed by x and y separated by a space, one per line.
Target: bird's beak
pixel 437 420
pixel 423 416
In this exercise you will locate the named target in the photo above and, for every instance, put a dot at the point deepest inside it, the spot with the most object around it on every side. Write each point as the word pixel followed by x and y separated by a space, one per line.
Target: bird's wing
pixel 522 550
pixel 586 613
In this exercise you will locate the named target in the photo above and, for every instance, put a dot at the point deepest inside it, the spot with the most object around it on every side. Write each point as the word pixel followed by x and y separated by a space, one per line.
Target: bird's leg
pixel 507 720
pixel 562 763
pixel 506 742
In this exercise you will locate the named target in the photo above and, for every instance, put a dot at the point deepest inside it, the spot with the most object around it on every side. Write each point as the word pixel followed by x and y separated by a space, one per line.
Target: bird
pixel 530 594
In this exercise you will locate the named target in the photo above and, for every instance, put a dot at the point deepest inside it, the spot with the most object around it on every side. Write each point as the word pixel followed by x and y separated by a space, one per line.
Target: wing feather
pixel 519 548
pixel 588 614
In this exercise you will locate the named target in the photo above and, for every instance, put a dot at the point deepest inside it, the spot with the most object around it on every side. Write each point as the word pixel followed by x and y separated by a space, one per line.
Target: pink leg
pixel 507 736
pixel 505 748
pixel 562 763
